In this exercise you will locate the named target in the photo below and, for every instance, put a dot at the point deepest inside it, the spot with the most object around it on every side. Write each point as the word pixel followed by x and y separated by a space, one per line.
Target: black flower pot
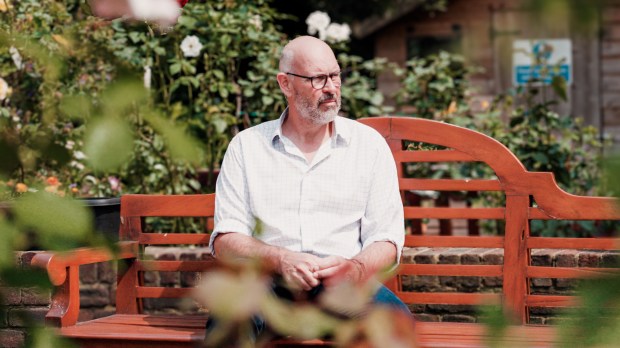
pixel 107 214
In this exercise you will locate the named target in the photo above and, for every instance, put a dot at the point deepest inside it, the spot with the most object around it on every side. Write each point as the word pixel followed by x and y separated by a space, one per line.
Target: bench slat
pixel 451 270
pixel 573 243
pixel 449 185
pixel 454 213
pixel 174 238
pixel 459 298
pixel 432 156
pixel 162 292
pixel 566 272
pixel 551 301
pixel 168 205
pixel 175 266
pixel 454 241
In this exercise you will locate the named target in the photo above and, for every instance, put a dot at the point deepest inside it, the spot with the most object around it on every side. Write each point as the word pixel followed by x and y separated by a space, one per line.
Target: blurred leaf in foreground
pixel 180 144
pixel 108 144
pixel 60 223
pixel 596 323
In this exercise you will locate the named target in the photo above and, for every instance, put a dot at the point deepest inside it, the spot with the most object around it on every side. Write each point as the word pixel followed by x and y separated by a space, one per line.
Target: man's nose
pixel 330 85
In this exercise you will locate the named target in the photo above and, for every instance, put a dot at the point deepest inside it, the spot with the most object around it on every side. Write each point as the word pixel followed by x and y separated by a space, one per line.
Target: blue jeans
pixel 386 297
pixel 383 297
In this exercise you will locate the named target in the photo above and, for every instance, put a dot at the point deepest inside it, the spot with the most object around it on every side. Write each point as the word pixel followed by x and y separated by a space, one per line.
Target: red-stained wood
pixel 449 298
pixel 451 270
pixel 551 301
pixel 449 185
pixel 162 292
pixel 566 272
pixel 454 213
pixel 174 238
pixel 65 304
pixel 573 243
pixel 516 258
pixel 454 242
pixel 168 205
pixel 175 266
pixel 432 156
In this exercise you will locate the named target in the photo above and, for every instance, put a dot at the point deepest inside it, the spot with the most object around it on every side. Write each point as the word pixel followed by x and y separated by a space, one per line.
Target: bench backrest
pixel 135 209
pixel 520 187
pixel 528 196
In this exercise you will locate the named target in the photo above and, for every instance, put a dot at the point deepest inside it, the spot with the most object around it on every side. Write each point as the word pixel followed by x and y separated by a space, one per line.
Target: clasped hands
pixel 306 271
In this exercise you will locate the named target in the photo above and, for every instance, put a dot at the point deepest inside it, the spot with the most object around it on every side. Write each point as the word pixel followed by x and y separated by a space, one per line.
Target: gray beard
pixel 313 114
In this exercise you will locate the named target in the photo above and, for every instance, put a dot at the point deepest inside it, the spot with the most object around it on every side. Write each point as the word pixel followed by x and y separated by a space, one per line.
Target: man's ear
pixel 285 84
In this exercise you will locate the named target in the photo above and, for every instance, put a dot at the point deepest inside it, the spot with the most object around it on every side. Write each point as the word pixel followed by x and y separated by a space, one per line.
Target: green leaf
pixel 60 223
pixel 559 86
pixel 267 100
pixel 175 68
pixel 220 125
pixel 108 143
pixel 188 22
pixel 225 40
pixel 218 73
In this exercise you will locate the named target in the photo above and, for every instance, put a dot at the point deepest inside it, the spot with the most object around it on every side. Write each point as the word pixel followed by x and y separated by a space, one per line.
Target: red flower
pixel 182 2
pixel 52 181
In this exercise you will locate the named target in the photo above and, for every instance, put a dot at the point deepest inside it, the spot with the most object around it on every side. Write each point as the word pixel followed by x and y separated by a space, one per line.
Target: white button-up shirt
pixel 339 204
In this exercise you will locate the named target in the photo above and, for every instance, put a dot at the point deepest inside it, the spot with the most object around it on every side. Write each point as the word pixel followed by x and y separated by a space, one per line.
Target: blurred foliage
pixel 237 291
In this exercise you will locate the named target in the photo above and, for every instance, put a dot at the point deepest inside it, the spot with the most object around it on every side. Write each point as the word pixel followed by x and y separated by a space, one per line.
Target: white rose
pixel 17 58
pixel 147 77
pixel 338 32
pixel 69 145
pixel 191 46
pixel 317 22
pixel 5 90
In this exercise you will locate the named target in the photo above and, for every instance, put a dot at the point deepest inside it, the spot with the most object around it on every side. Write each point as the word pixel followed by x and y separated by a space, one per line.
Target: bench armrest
pixel 63 271
pixel 56 263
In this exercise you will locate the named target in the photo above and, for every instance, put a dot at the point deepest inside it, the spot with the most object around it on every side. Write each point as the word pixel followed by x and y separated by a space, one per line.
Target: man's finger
pixel 330 272
pixel 330 261
pixel 309 278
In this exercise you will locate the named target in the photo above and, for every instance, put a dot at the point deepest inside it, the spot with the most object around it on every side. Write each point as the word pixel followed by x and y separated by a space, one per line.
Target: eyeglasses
pixel 319 81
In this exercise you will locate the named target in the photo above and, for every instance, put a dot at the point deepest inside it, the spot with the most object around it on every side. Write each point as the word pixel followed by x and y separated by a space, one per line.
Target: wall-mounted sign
pixel 539 60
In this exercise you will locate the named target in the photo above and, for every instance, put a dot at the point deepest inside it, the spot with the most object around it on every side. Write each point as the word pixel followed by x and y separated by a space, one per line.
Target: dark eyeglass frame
pixel 321 76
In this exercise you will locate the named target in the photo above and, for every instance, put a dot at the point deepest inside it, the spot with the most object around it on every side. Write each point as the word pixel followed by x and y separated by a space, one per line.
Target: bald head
pixel 305 51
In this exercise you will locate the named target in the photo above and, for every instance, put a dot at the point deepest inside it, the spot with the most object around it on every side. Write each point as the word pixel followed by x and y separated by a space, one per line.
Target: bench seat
pixel 139 330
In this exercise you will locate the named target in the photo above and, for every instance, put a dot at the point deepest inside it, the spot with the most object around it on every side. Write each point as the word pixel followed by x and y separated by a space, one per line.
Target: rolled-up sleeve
pixel 383 219
pixel 232 210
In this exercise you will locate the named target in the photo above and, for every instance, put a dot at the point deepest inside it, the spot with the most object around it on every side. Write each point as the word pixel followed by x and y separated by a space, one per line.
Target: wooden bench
pixel 528 196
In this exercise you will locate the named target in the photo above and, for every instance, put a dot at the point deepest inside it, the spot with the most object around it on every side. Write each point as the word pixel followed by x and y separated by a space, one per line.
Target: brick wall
pixel 98 286
pixel 20 305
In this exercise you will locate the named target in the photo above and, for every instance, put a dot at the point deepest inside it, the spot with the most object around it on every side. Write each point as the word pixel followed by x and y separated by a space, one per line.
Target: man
pixel 323 187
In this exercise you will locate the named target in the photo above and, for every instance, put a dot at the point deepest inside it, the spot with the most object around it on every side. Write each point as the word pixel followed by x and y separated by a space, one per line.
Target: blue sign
pixel 528 73
pixel 538 61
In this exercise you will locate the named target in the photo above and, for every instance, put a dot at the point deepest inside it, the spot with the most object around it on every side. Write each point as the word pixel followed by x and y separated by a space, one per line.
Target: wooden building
pixel 484 31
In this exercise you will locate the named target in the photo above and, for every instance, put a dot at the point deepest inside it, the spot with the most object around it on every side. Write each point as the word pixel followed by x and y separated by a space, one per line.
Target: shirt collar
pixel 341 128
